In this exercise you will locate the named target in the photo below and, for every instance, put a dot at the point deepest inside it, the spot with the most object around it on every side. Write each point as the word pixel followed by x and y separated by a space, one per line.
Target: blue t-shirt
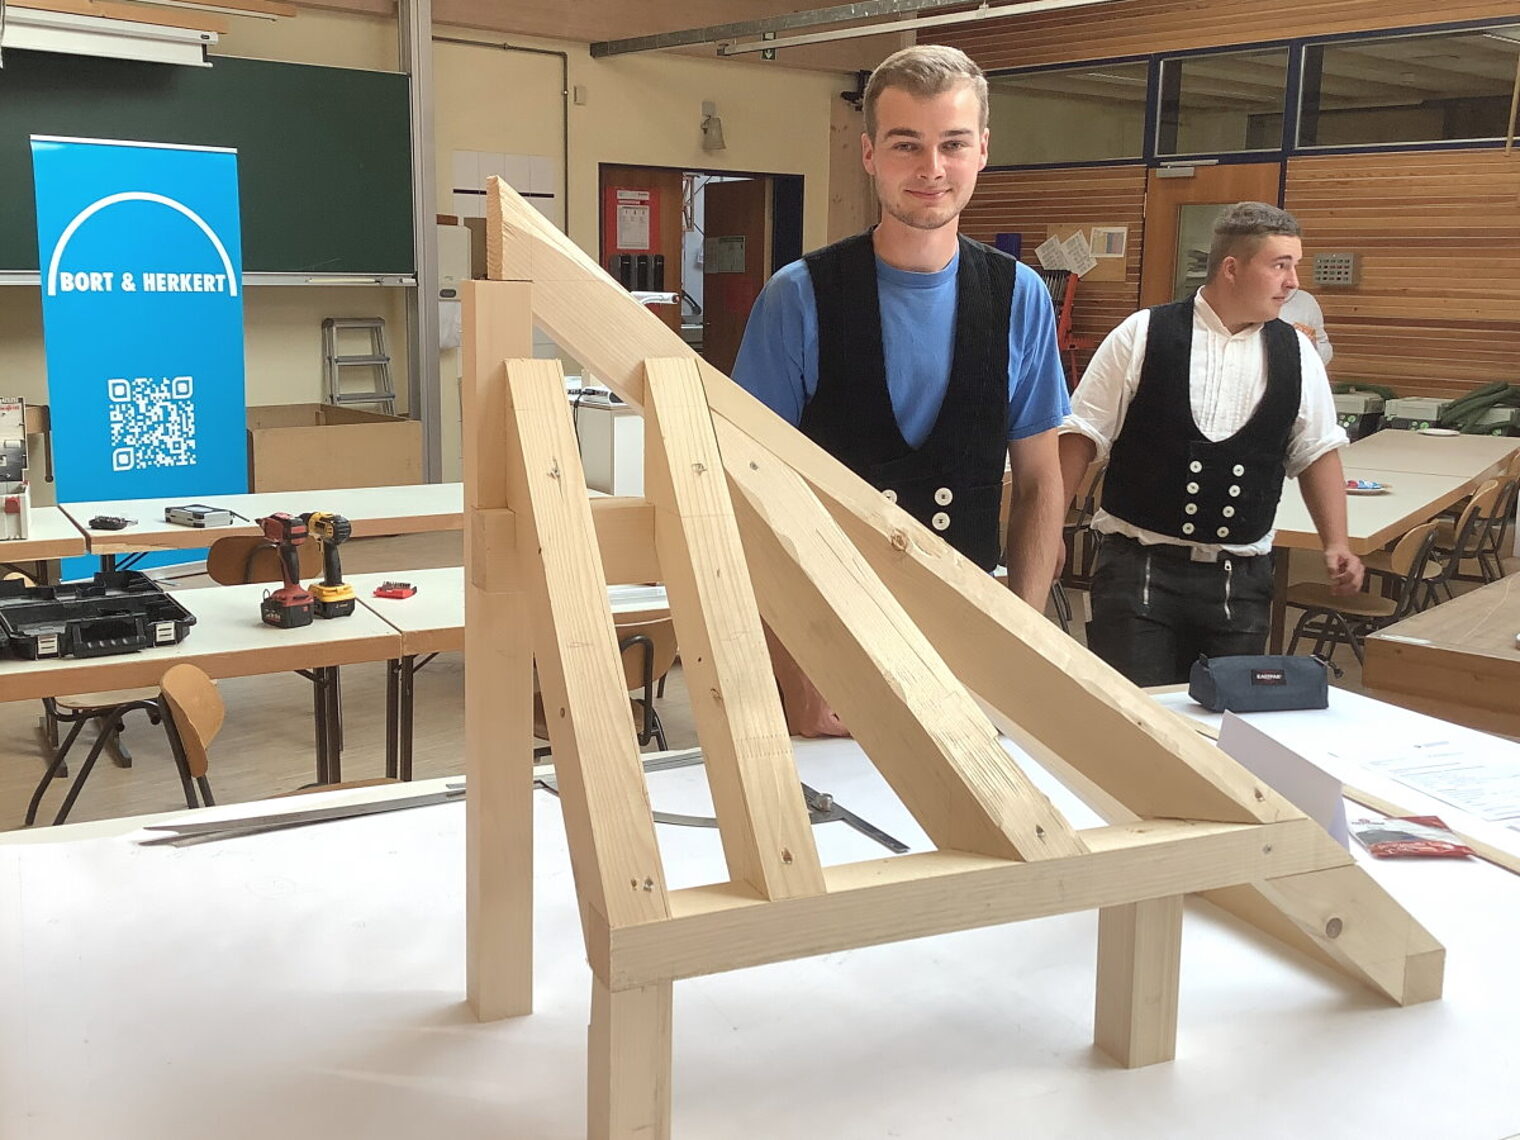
pixel 778 359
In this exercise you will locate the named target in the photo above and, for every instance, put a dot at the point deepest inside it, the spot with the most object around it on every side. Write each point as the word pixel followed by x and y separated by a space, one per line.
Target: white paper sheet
pixel 1306 785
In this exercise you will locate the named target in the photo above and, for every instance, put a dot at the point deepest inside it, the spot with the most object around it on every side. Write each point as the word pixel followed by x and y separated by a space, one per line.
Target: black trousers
pixel 1154 609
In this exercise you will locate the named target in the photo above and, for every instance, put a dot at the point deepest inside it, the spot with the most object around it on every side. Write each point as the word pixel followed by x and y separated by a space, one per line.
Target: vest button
pixel 1195 467
pixel 889 495
pixel 1234 490
pixel 1191 508
pixel 940 521
pixel 1228 512
pixel 1240 469
pixel 1192 488
pixel 1187 528
pixel 1223 532
pixel 943 496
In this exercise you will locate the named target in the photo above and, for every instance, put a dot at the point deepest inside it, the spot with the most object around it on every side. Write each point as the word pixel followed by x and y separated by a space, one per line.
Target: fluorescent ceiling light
pixel 220 9
pixel 896 26
pixel 34 29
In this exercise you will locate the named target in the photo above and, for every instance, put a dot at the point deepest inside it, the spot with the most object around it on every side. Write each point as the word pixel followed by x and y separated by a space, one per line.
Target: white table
pixel 410 509
pixel 309 983
pixel 1471 456
pixel 1372 521
pixel 50 534
pixel 431 621
pixel 227 640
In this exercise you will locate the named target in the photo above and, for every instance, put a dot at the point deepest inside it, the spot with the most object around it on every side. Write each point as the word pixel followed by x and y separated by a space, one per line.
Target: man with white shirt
pixel 1202 408
pixel 1302 311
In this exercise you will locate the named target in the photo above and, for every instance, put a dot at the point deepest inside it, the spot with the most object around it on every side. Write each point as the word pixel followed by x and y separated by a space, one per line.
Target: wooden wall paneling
pixel 1437 308
pixel 1029 202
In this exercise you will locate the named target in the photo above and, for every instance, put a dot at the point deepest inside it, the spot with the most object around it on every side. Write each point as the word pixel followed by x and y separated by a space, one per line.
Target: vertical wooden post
pixel 1139 960
pixel 628 1071
pixel 498 670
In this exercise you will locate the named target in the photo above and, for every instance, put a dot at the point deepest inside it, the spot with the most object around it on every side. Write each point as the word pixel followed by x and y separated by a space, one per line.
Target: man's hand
pixel 1345 570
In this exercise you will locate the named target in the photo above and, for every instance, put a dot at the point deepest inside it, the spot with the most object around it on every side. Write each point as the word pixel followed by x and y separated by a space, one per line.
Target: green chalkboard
pixel 324 167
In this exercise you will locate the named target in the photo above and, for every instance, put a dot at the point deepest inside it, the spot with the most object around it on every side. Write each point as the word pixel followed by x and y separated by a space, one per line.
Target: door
pixel 736 263
pixel 641 231
pixel 1179 220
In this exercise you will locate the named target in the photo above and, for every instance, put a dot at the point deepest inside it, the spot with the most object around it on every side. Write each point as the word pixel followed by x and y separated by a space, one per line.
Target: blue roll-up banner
pixel 140 251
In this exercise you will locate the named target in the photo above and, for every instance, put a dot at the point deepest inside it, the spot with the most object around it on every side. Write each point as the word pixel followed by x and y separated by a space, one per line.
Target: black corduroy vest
pixel 953 482
pixel 1164 475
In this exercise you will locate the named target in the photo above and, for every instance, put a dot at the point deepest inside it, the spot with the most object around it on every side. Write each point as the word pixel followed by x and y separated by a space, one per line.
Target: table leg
pixel 392 717
pixel 318 706
pixel 1275 633
pixel 333 723
pixel 408 704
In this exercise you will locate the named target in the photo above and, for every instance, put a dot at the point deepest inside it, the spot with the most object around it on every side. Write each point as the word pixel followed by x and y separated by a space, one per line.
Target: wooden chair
pixel 1496 539
pixel 232 561
pixel 647 645
pixel 1077 533
pixel 1467 539
pixel 1333 619
pixel 190 709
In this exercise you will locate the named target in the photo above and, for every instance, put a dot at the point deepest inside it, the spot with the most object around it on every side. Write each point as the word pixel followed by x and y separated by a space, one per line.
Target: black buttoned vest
pixel 953 482
pixel 1165 476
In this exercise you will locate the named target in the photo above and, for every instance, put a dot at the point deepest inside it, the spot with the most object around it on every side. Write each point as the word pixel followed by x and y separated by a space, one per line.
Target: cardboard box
pixel 304 447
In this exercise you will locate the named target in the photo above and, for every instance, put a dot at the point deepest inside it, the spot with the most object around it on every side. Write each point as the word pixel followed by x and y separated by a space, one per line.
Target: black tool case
pixel 119 611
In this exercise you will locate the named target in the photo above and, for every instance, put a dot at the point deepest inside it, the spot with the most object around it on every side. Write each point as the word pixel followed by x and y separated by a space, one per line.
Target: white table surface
pixel 1371 520
pixel 1465 455
pixel 432 619
pixel 309 984
pixel 409 509
pixel 227 640
pixel 50 534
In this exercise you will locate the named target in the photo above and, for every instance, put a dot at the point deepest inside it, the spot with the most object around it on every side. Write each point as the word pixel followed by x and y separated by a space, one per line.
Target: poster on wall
pixel 140 254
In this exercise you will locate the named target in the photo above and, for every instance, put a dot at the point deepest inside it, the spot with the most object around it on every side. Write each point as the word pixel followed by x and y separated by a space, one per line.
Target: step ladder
pixel 338 369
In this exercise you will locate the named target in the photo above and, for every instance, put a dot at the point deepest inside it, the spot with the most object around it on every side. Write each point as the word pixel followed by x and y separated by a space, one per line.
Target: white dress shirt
pixel 1228 378
pixel 1302 309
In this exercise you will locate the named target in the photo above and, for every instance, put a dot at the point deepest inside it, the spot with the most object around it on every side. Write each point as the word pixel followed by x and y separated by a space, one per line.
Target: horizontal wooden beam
pixel 722 927
pixel 624 531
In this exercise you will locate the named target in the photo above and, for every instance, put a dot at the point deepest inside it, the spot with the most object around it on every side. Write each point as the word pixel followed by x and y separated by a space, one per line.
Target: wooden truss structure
pixel 924 655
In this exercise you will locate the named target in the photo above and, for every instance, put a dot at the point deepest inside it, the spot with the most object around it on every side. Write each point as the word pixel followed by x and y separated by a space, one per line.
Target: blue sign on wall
pixel 142 306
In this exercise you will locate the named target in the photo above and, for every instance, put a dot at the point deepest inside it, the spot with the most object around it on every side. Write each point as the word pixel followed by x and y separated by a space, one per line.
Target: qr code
pixel 152 422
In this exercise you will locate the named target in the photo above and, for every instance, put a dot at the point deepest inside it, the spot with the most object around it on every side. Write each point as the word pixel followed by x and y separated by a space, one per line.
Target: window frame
pixel 1293 99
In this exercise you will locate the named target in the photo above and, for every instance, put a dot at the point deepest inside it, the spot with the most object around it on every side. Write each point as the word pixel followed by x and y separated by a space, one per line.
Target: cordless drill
pixel 290 606
pixel 335 597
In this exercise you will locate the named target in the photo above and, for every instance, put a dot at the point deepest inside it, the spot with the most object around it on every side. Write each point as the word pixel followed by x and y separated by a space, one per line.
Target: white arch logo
pixel 94 208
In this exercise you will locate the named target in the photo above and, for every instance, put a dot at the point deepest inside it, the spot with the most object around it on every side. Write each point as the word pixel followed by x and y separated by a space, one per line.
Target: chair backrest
pixel 1409 560
pixel 197 710
pixel 239 559
pixel 645 637
pixel 1472 525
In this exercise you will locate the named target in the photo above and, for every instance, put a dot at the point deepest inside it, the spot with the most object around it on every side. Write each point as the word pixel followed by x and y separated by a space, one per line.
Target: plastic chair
pixel 191 711
pixel 647 646
pixel 1334 619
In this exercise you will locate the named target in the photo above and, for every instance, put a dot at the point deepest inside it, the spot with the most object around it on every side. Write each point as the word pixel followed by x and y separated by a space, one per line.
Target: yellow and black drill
pixel 334 597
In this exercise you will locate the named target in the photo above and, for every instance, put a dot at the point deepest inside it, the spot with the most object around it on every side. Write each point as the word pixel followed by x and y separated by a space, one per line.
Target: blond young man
pixel 921 359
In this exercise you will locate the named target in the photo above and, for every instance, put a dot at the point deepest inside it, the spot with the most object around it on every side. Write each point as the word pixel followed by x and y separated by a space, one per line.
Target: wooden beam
pixel 615 858
pixel 1343 917
pixel 1139 963
pixel 628 1063
pixel 1000 648
pixel 912 717
pixel 723 927
pixel 762 817
pixel 499 678
pixel 624 534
